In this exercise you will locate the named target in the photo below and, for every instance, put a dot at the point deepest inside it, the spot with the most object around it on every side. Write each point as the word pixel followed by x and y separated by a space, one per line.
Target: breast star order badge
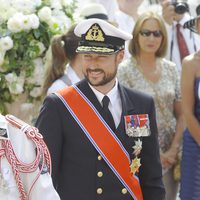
pixel 135 165
pixel 137 147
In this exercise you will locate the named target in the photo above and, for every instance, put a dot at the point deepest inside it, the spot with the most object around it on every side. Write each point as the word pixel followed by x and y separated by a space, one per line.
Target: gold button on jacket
pixel 99 191
pixel 99 157
pixel 100 174
pixel 124 191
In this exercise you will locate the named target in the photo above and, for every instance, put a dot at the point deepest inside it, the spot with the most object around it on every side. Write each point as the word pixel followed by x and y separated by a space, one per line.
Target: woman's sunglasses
pixel 147 33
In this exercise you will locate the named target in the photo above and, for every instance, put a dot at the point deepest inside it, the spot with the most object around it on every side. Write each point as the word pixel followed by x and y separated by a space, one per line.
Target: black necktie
pixel 107 112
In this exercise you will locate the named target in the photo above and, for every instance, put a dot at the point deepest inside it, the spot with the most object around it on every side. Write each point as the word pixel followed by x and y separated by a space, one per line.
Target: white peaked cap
pixel 99 36
pixel 107 28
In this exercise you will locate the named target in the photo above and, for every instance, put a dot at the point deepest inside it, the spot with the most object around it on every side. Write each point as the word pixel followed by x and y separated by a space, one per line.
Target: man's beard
pixel 106 78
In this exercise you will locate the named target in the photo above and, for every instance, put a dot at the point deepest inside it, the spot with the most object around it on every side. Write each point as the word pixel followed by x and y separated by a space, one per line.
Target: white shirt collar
pixel 115 105
pixel 185 18
pixel 112 94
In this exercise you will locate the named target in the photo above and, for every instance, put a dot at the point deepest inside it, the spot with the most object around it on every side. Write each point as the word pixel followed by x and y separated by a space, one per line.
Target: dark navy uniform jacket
pixel 79 172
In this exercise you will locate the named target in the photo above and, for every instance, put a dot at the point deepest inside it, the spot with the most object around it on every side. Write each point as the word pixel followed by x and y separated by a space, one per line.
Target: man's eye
pixel 87 57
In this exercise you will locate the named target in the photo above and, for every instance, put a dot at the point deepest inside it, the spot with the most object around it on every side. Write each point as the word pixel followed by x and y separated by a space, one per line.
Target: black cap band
pixel 99 16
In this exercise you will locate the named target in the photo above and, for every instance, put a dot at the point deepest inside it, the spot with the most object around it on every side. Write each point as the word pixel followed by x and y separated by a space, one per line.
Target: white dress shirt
pixel 192 41
pixel 115 105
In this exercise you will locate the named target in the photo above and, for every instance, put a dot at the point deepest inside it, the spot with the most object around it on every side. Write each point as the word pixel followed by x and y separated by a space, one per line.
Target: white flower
pixel 15 23
pixel 41 47
pixel 52 24
pixel 6 10
pixel 24 6
pixel 38 73
pixel 35 22
pixel 20 22
pixel 37 2
pixel 61 19
pixel 36 92
pixel 27 24
pixel 16 88
pixel 8 14
pixel 2 54
pixel 56 4
pixel 11 77
pixel 6 43
pixel 15 83
pixel 45 14
pixel 4 4
pixel 64 2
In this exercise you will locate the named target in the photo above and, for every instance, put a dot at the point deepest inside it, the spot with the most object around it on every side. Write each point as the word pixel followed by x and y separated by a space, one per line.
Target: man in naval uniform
pixel 102 136
pixel 24 162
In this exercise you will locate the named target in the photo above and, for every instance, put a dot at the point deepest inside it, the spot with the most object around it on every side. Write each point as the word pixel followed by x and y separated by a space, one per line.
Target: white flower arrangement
pixel 26 29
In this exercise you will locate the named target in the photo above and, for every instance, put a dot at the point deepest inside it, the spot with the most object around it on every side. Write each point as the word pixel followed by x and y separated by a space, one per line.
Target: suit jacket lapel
pixel 127 105
pixel 127 108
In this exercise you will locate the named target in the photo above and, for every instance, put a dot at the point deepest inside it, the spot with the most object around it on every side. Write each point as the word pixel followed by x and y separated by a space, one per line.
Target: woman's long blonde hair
pixel 134 47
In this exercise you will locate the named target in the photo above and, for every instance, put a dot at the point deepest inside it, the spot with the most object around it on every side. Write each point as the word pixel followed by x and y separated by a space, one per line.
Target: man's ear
pixel 198 25
pixel 120 56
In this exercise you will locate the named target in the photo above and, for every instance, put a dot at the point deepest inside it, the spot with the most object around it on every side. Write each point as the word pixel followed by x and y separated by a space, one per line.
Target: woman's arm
pixel 188 99
pixel 170 156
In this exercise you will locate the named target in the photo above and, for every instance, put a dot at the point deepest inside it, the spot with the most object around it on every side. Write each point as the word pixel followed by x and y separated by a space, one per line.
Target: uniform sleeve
pixel 43 189
pixel 151 172
pixel 50 126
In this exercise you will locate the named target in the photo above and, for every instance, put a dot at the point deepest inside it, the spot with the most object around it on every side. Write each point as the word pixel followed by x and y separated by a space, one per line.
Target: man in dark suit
pixel 102 136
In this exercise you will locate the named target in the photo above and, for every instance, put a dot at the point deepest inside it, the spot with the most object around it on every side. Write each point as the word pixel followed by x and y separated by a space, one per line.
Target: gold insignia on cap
pixel 95 34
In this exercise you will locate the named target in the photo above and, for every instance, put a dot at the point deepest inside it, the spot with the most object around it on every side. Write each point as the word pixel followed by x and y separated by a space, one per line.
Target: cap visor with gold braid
pixel 98 36
pixel 191 24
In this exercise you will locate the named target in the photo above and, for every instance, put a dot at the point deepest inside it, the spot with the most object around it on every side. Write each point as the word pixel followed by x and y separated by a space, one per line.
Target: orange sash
pixel 102 137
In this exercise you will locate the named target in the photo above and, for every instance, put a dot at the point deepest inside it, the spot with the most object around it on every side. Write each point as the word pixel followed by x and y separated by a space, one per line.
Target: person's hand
pixel 171 156
pixel 168 159
pixel 164 161
pixel 168 11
